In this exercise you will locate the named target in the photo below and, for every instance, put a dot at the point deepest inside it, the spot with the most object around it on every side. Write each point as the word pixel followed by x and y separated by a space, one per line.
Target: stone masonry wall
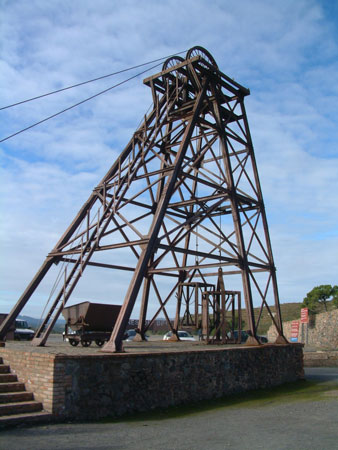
pixel 36 370
pixel 95 386
pixel 322 331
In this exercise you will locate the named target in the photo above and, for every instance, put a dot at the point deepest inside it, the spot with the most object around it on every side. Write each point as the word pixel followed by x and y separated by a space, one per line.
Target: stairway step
pixel 8 377
pixel 14 397
pixel 14 386
pixel 4 368
pixel 25 419
pixel 19 408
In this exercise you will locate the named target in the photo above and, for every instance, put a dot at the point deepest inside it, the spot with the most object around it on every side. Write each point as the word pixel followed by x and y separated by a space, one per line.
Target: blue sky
pixel 285 52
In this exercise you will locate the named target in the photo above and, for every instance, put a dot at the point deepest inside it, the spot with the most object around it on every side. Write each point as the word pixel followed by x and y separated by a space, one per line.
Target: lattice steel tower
pixel 182 200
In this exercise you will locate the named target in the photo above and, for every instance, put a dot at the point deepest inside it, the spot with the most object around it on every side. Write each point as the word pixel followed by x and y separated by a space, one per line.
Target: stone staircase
pixel 17 406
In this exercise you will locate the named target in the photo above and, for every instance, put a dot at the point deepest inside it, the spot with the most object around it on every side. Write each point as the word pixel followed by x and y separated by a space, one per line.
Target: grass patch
pixel 298 391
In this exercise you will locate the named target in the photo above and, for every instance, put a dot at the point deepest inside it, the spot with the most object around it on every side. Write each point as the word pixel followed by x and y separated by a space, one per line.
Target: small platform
pixel 84 383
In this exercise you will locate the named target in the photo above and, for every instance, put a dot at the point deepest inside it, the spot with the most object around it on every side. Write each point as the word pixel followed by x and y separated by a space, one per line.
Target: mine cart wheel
pixel 200 51
pixel 171 62
pixel 73 342
pixel 99 342
pixel 86 343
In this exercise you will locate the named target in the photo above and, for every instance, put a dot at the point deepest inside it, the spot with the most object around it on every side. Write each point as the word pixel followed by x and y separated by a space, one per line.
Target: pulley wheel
pixel 171 62
pixel 200 51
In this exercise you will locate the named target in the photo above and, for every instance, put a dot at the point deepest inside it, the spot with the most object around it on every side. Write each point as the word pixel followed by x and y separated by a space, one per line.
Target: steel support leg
pixel 115 342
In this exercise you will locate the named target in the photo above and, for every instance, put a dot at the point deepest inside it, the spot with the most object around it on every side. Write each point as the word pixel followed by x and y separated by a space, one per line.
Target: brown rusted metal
pixel 95 316
pixel 182 200
pixel 219 308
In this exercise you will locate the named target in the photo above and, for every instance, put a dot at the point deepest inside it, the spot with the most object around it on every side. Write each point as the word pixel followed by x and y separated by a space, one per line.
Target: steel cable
pixel 88 81
pixel 76 104
pixel 82 101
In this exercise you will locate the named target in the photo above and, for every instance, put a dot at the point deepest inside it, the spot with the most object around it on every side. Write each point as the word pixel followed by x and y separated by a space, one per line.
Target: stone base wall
pixel 321 359
pixel 322 331
pixel 96 386
pixel 36 370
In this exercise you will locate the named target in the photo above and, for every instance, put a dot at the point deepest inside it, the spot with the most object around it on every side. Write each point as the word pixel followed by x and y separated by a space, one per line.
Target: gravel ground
pixel 282 423
pixel 55 345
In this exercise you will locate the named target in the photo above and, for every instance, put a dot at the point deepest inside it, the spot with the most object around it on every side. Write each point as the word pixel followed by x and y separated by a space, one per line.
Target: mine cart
pixel 87 322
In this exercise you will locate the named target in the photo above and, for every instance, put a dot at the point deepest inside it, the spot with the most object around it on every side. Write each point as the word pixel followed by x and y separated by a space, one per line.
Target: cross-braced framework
pixel 182 200
pixel 219 321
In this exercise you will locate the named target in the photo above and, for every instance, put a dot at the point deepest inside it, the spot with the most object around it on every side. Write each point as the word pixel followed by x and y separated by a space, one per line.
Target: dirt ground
pixel 55 344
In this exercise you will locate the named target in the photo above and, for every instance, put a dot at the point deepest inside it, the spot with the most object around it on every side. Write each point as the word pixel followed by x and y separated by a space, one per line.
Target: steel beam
pixel 115 342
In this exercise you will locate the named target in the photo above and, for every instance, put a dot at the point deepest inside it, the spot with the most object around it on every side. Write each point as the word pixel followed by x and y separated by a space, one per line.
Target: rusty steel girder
pixel 182 200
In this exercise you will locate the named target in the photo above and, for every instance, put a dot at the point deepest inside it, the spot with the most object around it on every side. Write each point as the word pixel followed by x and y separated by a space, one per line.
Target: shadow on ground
pixel 312 389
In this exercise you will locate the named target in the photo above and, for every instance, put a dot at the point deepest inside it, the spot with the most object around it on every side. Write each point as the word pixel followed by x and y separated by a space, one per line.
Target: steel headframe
pixel 187 175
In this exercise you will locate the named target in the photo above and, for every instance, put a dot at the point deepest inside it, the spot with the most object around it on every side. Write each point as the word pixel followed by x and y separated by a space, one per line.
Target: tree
pixel 335 296
pixel 321 295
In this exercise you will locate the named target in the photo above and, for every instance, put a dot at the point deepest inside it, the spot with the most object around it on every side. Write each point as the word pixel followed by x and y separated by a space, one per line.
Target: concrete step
pixel 17 406
pixel 15 397
pixel 8 377
pixel 14 386
pixel 4 368
pixel 8 409
pixel 25 419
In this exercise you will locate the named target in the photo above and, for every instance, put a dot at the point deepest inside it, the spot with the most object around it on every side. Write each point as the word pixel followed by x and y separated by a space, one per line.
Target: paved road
pixel 322 375
pixel 304 418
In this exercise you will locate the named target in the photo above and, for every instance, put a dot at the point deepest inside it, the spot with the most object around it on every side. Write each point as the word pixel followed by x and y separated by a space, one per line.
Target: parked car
pixel 22 331
pixel 183 335
pixel 130 334
pixel 263 339
pixel 245 335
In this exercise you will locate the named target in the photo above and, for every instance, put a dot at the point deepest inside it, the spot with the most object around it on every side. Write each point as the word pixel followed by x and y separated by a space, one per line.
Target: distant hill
pixel 34 323
pixel 289 311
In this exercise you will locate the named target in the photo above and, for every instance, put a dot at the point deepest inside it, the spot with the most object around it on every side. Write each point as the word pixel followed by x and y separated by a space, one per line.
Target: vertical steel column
pixel 182 276
pixel 144 307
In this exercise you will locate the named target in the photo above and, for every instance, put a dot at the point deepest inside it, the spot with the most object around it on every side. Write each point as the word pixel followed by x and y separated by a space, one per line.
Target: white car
pixel 22 331
pixel 183 335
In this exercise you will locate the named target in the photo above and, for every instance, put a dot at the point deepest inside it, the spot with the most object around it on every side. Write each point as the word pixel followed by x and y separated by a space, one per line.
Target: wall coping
pixel 132 355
